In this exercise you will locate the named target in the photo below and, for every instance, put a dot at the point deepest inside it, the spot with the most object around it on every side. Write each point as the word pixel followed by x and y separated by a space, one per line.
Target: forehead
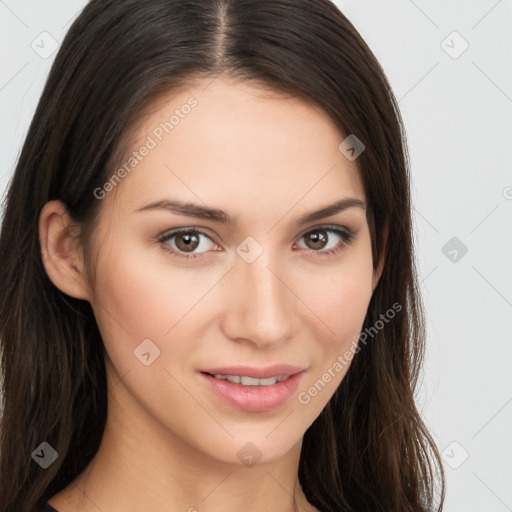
pixel 226 142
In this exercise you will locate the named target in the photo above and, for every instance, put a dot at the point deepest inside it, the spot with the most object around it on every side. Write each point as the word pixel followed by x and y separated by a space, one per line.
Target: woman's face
pixel 257 285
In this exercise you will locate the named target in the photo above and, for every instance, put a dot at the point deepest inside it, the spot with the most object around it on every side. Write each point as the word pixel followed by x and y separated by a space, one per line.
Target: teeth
pixel 249 381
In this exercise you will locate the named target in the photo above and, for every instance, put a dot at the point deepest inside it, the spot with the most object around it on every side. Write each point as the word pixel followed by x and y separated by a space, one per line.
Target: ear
pixel 62 256
pixel 380 267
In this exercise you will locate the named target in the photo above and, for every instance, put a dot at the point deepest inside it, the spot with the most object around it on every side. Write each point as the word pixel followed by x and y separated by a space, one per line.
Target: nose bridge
pixel 260 300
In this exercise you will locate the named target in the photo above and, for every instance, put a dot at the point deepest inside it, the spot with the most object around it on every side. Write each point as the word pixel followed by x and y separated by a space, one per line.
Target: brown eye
pixel 323 240
pixel 317 239
pixel 186 241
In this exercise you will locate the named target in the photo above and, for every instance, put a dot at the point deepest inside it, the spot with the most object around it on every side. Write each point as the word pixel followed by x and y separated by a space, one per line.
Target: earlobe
pixel 60 252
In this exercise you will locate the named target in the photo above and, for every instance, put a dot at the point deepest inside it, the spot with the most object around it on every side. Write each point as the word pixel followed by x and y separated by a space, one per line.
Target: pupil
pixel 318 237
pixel 188 241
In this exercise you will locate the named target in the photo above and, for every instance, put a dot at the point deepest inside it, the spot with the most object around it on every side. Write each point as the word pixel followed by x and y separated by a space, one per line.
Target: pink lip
pixel 253 398
pixel 256 373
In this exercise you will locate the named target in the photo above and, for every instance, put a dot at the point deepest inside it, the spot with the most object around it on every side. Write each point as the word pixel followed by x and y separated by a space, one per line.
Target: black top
pixel 45 508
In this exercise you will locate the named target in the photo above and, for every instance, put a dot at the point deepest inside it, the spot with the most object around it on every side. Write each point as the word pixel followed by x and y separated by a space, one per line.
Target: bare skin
pixel 169 442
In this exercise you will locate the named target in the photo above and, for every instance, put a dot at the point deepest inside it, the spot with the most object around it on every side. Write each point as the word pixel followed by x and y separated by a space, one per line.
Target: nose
pixel 259 305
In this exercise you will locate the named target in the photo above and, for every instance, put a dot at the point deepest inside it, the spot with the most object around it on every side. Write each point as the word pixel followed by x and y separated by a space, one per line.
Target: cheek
pixel 140 297
pixel 139 293
pixel 130 297
pixel 347 302
pixel 340 297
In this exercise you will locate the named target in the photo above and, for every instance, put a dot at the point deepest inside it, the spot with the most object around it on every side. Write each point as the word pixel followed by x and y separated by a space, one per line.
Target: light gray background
pixel 457 109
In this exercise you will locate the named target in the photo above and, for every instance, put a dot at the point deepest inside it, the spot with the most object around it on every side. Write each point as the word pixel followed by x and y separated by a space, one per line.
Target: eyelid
pixel 167 235
pixel 336 227
pixel 187 229
pixel 204 231
pixel 347 236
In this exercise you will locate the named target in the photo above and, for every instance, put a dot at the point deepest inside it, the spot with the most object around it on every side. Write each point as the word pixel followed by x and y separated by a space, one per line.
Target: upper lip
pixel 256 373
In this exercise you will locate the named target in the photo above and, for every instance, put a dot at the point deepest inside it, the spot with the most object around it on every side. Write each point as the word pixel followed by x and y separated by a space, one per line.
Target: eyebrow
pixel 220 216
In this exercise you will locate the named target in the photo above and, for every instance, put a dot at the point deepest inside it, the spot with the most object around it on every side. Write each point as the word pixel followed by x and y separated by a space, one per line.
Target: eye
pixel 186 241
pixel 319 238
pixel 183 242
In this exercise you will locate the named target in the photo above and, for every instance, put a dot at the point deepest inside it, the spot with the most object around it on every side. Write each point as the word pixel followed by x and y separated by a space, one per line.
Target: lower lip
pixel 254 398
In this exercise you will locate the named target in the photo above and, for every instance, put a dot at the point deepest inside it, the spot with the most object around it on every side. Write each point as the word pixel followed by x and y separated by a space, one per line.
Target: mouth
pixel 245 380
pixel 254 389
pixel 280 371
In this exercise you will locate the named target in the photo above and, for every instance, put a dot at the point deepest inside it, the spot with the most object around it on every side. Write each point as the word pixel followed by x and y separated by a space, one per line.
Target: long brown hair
pixel 369 449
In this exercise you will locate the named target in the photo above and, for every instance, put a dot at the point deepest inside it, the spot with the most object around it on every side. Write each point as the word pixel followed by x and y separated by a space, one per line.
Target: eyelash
pixel 345 235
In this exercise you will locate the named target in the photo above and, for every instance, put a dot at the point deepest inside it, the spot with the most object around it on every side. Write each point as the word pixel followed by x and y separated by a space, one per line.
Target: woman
pixel 209 298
